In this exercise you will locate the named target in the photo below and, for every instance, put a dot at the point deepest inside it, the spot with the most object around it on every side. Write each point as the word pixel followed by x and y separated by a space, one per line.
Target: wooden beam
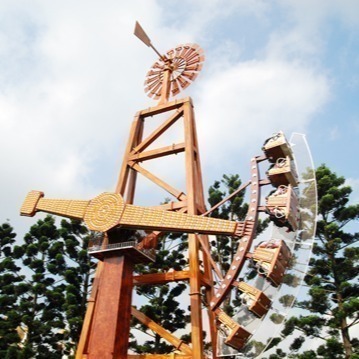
pixel 174 192
pixel 152 111
pixel 161 278
pixel 81 349
pixel 171 206
pixel 158 152
pixel 207 252
pixel 136 127
pixel 112 310
pixel 177 343
pixel 193 242
pixel 132 176
pixel 241 188
pixel 158 132
pixel 159 356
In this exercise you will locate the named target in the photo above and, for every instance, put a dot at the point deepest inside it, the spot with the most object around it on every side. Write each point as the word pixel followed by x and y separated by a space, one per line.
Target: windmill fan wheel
pixel 183 62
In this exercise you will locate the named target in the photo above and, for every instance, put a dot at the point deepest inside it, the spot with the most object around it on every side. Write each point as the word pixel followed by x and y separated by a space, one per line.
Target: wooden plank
pixel 163 278
pixel 206 280
pixel 170 221
pixel 112 311
pixel 177 343
pixel 123 175
pixel 158 132
pixel 132 178
pixel 166 86
pixel 169 106
pixel 205 249
pixel 159 356
pixel 241 188
pixel 171 206
pixel 159 152
pixel 193 243
pixel 81 350
pixel 160 278
pixel 174 192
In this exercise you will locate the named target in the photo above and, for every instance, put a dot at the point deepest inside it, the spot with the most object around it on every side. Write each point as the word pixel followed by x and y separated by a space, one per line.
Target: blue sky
pixel 71 80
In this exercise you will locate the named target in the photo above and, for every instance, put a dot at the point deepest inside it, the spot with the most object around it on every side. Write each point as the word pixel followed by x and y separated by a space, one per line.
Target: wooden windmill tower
pixel 110 313
pixel 106 327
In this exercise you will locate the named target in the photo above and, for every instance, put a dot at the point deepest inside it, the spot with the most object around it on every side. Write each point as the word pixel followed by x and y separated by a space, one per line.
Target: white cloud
pixel 354 184
pixel 243 105
pixel 74 74
pixel 72 81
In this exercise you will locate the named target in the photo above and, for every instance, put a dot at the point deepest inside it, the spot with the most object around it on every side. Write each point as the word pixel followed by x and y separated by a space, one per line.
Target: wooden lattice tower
pixel 107 323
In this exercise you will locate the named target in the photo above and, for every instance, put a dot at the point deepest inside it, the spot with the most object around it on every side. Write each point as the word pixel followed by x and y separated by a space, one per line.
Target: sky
pixel 72 73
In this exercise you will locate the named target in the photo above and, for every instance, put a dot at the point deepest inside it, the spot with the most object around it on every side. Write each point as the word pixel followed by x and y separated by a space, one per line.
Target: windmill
pixel 106 327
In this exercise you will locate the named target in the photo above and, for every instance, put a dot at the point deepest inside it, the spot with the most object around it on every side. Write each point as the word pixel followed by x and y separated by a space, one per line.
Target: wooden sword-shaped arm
pixel 108 210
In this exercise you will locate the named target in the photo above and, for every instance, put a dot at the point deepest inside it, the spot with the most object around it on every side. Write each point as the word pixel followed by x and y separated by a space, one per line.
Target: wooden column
pixel 134 139
pixel 111 319
pixel 193 243
pixel 200 204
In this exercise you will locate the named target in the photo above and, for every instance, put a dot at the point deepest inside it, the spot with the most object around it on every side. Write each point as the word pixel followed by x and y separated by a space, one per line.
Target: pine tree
pixel 235 209
pixel 77 277
pixel 332 303
pixel 224 247
pixel 162 304
pixel 41 304
pixel 10 288
pixel 47 302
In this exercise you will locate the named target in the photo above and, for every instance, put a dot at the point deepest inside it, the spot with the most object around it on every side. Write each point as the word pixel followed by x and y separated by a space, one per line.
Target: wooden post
pixel 193 243
pixel 111 319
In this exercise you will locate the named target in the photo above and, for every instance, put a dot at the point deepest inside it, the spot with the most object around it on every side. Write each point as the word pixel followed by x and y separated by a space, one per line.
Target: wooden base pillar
pixel 110 328
pixel 195 298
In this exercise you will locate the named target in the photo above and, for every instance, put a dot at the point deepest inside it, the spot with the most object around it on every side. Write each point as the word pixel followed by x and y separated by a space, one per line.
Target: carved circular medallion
pixel 104 212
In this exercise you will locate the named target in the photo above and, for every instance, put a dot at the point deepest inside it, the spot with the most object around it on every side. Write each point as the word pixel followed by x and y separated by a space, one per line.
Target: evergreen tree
pixel 332 303
pixel 162 304
pixel 77 276
pixel 44 307
pixel 235 209
pixel 41 304
pixel 224 247
pixel 10 288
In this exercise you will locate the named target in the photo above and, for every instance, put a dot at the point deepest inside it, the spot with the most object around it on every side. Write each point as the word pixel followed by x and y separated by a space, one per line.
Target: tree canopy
pixel 44 301
pixel 331 308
